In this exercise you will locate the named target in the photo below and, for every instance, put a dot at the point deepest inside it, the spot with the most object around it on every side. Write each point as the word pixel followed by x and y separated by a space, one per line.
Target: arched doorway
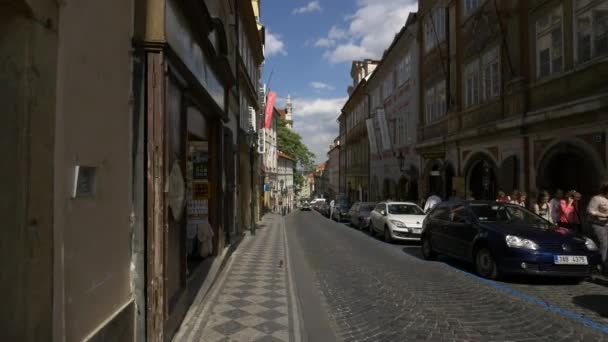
pixel 568 166
pixel 509 174
pixel 435 179
pixel 481 178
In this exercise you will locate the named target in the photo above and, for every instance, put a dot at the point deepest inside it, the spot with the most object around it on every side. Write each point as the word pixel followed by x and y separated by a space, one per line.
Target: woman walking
pixel 520 199
pixel 502 197
pixel 598 217
pixel 542 207
pixel 555 204
pixel 568 217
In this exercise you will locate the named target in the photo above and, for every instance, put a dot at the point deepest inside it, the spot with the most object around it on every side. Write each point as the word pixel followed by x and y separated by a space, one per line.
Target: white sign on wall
pixel 371 134
pixel 386 139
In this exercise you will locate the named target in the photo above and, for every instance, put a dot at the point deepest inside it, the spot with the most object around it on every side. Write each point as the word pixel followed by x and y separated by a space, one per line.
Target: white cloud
pixel 325 42
pixel 315 120
pixel 313 6
pixel 369 31
pixel 321 86
pixel 274 45
pixel 347 53
pixel 336 33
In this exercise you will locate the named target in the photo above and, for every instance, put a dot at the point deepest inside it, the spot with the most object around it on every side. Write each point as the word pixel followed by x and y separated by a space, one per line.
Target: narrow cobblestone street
pixel 374 291
pixel 348 286
pixel 251 301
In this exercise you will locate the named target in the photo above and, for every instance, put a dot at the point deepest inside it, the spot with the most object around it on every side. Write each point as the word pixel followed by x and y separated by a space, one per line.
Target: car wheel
pixel 387 235
pixel 427 250
pixel 485 265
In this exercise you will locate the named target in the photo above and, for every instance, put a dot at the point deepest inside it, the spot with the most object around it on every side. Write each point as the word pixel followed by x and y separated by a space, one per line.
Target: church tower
pixel 289 112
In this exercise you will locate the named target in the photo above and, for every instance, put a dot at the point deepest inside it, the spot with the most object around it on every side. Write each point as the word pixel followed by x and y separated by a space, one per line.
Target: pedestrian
pixel 555 205
pixel 521 200
pixel 502 197
pixel 542 207
pixel 597 212
pixel 514 197
pixel 431 202
pixel 568 217
pixel 332 206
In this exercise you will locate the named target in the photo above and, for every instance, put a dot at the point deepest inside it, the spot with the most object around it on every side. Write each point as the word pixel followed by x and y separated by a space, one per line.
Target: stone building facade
pixel 525 101
pixel 393 91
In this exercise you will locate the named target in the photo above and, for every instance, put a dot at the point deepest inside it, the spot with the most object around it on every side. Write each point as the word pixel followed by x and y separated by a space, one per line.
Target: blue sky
pixel 310 46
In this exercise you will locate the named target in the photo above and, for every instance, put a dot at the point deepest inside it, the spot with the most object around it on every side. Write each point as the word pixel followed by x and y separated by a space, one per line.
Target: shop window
pixel 549 43
pixel 591 26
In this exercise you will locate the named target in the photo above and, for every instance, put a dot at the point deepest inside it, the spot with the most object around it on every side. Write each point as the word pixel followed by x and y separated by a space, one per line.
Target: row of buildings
pixel 475 96
pixel 277 167
pixel 131 138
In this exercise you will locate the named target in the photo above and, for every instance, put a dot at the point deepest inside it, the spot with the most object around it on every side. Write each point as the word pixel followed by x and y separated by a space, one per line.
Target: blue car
pixel 506 239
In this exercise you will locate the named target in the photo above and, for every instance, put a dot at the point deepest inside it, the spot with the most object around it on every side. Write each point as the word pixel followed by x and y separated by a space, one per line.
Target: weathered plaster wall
pixel 94 128
pixel 28 43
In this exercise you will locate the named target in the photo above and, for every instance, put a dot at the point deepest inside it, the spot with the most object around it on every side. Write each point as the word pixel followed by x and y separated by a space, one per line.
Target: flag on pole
pixel 272 96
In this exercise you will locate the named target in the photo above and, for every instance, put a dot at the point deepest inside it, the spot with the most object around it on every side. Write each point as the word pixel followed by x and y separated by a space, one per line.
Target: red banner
pixel 272 96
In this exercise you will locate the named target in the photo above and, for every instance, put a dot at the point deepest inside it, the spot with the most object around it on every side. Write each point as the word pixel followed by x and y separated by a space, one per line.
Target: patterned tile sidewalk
pixel 253 299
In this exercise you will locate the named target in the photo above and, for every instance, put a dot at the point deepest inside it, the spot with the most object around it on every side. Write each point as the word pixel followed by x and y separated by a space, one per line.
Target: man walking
pixel 332 205
pixel 431 202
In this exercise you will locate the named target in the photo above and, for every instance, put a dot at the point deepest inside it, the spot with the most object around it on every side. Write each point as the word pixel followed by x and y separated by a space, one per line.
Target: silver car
pixel 397 221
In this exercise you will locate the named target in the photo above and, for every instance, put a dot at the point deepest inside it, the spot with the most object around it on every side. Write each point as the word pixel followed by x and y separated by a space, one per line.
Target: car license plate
pixel 417 230
pixel 570 260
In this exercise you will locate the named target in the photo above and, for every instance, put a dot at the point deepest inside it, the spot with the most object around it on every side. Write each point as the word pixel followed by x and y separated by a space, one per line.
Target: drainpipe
pixel 369 149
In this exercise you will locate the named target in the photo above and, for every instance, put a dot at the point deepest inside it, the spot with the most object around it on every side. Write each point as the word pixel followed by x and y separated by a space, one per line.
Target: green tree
pixel 290 143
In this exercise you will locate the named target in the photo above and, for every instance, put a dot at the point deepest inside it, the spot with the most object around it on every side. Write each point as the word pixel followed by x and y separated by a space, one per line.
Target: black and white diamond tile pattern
pixel 252 303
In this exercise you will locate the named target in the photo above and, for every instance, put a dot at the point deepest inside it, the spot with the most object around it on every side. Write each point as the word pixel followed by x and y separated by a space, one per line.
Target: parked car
pixel 359 214
pixel 323 208
pixel 340 212
pixel 305 207
pixel 501 239
pixel 397 221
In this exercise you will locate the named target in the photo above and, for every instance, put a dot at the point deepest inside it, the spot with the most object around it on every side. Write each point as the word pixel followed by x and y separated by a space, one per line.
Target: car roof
pixel 398 202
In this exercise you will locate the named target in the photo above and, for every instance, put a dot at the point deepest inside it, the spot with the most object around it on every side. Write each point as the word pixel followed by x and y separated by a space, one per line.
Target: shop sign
pixel 200 190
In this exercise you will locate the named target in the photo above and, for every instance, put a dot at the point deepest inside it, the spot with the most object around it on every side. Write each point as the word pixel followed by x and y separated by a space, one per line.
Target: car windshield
pixel 507 214
pixel 342 205
pixel 404 209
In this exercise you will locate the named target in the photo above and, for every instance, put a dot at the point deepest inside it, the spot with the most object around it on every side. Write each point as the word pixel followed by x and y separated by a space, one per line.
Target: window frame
pixel 468 10
pixel 588 9
pixel 547 31
pixel 434 28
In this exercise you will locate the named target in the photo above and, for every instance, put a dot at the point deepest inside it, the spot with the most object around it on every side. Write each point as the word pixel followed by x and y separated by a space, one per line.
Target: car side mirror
pixel 383 213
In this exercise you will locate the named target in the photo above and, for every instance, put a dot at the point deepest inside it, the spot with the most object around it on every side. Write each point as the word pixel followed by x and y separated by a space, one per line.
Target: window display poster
pixel 200 190
pixel 200 170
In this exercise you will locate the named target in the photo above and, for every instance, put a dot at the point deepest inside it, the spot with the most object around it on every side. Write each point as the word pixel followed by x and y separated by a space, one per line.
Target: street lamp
pixel 252 142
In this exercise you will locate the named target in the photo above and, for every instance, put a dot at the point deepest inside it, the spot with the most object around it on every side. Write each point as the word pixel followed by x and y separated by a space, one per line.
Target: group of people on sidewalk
pixel 563 209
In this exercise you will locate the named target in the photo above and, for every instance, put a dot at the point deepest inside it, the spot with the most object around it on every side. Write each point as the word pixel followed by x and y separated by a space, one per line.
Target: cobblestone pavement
pixel 252 300
pixel 374 291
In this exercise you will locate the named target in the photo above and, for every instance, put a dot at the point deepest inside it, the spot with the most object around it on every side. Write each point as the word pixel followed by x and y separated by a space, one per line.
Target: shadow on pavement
pixel 597 303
